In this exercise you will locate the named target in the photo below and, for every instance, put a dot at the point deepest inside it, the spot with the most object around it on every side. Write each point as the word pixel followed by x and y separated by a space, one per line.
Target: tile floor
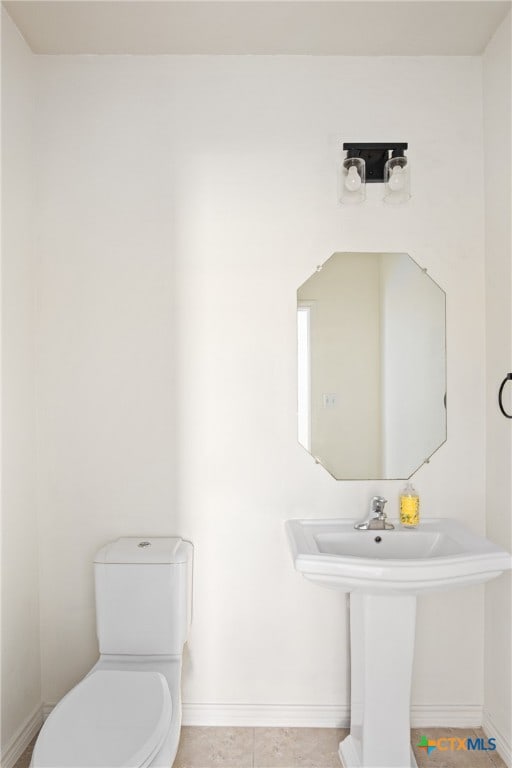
pixel 202 747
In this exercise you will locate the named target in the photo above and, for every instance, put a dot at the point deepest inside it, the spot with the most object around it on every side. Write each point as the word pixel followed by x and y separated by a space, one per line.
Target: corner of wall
pixel 498 286
pixel 21 703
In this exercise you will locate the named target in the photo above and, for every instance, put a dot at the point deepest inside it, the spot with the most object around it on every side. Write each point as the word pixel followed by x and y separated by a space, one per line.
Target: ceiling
pixel 306 27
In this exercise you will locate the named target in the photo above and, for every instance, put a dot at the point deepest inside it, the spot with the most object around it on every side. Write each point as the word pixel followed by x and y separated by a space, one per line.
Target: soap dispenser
pixel 409 506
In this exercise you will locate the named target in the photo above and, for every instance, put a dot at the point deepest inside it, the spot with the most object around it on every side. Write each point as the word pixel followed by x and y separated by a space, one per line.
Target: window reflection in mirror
pixel 371 365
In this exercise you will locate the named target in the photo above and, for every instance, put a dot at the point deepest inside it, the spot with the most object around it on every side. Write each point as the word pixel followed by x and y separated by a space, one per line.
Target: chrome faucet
pixel 376 520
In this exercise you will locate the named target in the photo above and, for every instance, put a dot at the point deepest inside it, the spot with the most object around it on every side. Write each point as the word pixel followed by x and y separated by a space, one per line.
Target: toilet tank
pixel 143 595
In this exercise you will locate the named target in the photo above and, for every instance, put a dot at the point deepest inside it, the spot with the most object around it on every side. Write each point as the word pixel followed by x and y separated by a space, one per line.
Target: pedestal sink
pixel 384 571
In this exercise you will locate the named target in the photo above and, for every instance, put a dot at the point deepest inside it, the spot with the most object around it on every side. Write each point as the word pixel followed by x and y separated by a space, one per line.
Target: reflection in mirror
pixel 371 365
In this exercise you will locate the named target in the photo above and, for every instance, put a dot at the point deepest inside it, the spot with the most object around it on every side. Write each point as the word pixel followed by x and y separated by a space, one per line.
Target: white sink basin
pixel 440 554
pixel 384 571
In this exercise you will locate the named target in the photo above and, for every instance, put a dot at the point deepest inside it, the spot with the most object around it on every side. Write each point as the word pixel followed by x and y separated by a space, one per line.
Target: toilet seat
pixel 111 719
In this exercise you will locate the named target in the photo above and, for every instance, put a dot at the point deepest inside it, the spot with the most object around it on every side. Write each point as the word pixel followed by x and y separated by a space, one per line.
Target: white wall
pixel 181 203
pixel 498 274
pixel 21 671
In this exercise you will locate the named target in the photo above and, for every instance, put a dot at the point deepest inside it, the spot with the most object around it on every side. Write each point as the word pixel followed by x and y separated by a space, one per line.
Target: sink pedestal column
pixel 381 653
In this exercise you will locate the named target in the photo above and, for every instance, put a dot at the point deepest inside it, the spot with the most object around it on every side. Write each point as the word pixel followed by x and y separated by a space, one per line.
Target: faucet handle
pixel 378 503
pixel 378 521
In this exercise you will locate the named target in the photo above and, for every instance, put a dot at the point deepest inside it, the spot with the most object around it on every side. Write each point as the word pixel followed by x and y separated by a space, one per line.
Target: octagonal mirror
pixel 371 366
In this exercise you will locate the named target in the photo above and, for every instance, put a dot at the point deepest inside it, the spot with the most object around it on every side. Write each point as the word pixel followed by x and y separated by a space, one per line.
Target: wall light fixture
pixel 369 162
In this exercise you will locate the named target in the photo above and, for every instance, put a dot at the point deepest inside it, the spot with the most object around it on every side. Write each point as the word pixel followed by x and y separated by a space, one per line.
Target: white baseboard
pixel 503 746
pixel 22 738
pixel 267 715
pixel 317 716
pixel 446 715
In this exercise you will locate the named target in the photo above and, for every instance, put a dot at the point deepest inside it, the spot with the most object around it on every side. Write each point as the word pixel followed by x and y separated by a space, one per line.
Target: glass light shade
pixel 353 180
pixel 396 181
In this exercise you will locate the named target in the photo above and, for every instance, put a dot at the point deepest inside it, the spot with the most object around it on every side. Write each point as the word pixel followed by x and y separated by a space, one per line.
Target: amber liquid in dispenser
pixel 409 507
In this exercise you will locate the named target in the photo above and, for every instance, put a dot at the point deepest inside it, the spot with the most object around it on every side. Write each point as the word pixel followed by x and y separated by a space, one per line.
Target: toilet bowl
pixel 109 719
pixel 126 712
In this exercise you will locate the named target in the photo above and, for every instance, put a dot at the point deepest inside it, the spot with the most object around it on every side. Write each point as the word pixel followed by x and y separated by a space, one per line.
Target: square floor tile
pixel 207 747
pixel 291 747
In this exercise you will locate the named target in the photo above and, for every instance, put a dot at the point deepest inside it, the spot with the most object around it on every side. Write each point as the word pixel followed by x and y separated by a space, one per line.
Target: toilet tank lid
pixel 146 550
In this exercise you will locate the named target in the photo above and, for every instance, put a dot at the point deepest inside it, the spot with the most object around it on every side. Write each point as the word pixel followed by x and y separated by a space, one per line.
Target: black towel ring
pixel 508 377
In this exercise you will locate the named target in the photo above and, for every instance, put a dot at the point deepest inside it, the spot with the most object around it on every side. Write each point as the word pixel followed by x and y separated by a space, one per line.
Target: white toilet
pixel 126 712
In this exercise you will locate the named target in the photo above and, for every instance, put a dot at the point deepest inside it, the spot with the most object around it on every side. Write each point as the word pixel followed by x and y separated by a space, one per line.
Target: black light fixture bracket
pixel 375 156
